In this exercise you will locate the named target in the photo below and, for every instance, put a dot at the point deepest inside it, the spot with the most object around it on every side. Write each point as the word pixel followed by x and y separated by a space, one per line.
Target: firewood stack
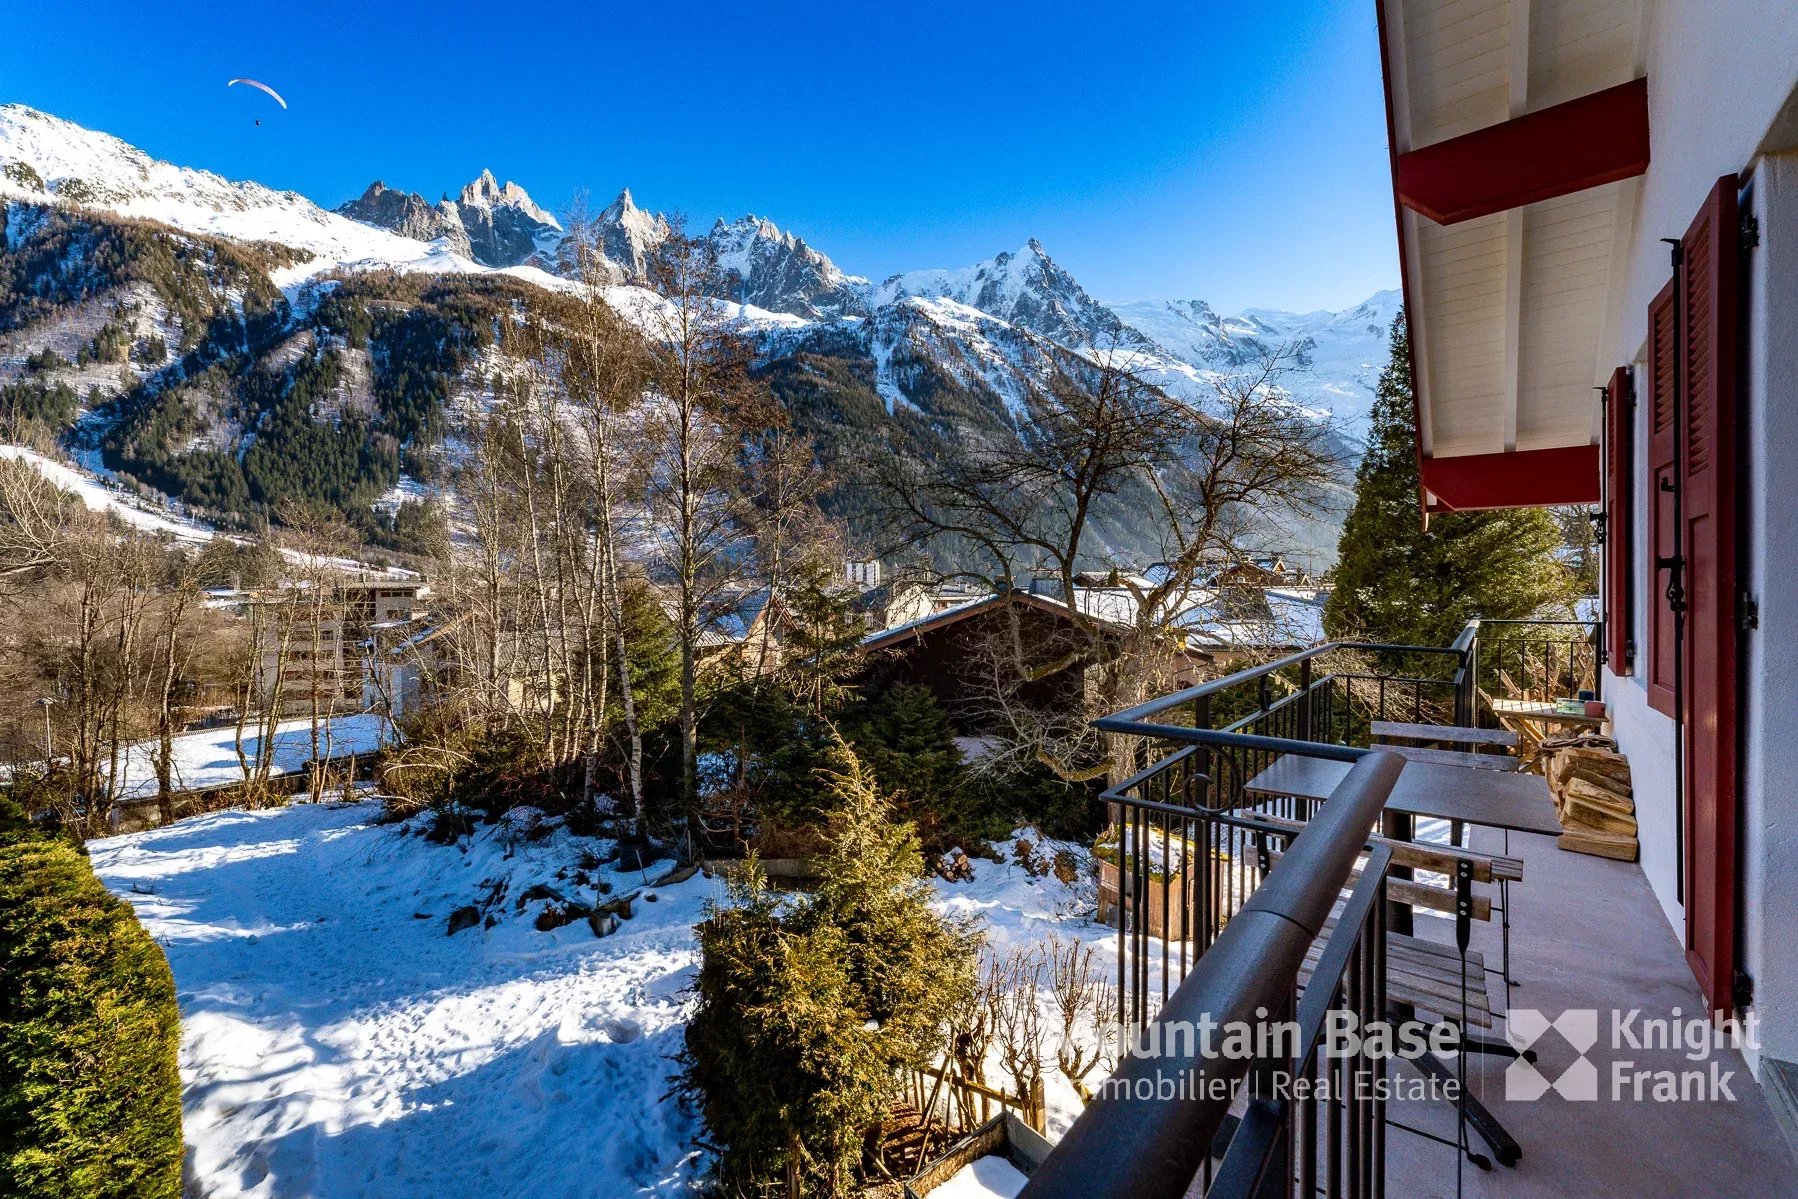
pixel 1590 783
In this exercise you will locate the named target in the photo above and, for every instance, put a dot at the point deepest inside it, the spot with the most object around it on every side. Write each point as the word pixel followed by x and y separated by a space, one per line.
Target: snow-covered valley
pixel 337 1042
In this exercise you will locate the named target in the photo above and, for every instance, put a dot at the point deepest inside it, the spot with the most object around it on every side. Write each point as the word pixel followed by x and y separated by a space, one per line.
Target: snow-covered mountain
pixel 940 352
pixel 1179 344
pixel 626 236
pixel 1027 289
pixel 45 158
pixel 495 225
pixel 1341 353
pixel 776 270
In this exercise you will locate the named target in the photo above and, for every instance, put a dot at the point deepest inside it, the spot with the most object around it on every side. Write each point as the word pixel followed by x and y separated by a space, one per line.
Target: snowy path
pixel 336 1043
pixel 335 1046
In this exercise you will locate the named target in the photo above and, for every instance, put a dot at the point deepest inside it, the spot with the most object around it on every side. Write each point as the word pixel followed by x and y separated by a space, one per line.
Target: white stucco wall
pixel 1770 705
pixel 1720 72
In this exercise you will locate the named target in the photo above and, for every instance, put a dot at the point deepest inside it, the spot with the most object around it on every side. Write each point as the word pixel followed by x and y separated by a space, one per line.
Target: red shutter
pixel 1709 344
pixel 1659 478
pixel 1619 514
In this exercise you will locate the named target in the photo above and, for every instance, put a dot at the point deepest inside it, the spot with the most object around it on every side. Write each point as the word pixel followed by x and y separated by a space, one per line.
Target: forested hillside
pixel 249 357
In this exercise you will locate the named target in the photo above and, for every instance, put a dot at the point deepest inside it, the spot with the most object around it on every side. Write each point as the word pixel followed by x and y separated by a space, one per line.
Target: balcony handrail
pixel 1121 1148
pixel 1141 712
pixel 1251 1156
pixel 1223 737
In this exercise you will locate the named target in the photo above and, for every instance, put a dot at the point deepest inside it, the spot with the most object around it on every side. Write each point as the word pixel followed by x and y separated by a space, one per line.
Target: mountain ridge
pixel 954 349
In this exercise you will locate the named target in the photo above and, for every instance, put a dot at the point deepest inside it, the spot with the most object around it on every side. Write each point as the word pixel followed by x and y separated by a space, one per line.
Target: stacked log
pixel 1590 782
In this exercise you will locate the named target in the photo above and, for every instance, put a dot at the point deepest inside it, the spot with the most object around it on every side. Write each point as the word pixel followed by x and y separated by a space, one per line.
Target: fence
pixel 962 1103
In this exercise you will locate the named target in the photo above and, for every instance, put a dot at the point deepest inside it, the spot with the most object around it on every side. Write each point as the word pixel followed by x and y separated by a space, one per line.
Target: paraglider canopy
pixel 261 87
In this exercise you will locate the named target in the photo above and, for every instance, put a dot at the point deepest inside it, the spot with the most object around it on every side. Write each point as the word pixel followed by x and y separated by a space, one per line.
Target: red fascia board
pixel 1518 479
pixel 1584 143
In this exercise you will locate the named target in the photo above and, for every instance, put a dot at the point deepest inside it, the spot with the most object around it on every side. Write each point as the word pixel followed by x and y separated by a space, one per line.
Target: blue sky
pixel 1186 148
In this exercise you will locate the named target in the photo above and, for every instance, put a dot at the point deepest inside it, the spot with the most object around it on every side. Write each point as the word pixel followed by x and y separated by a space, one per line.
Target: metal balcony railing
pixel 1537 659
pixel 1216 913
pixel 1157 1127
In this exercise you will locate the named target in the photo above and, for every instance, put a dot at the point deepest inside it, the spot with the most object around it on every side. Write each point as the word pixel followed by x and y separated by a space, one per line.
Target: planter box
pixel 1166 922
pixel 1003 1136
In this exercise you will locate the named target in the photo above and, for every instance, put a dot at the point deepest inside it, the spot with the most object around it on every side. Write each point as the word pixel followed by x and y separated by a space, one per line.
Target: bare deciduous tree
pixel 1086 1003
pixel 703 402
pixel 1219 473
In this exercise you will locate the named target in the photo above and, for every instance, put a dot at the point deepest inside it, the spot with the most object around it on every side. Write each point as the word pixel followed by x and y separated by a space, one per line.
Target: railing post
pixel 1305 700
pixel 1201 719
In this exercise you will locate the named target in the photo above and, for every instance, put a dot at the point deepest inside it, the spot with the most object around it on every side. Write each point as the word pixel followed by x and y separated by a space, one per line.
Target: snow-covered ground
pixel 983 1178
pixel 208 758
pixel 96 496
pixel 337 1042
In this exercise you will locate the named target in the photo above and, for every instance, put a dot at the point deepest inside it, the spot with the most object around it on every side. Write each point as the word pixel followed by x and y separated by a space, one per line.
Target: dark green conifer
pixel 1400 583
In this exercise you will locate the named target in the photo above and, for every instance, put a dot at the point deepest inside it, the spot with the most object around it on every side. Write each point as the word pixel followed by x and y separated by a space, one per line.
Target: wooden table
pixel 1453 733
pixel 1496 799
pixel 1535 709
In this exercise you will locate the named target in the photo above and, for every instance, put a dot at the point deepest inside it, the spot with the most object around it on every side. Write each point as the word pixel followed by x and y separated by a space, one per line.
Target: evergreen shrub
pixel 90 1093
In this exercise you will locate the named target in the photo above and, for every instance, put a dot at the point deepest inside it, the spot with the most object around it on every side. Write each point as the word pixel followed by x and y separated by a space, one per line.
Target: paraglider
pixel 261 87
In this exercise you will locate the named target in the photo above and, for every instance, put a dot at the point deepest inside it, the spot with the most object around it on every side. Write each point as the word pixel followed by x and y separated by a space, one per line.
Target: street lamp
pixel 49 749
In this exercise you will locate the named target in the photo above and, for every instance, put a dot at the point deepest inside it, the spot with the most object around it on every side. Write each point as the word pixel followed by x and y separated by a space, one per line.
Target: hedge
pixel 90 1093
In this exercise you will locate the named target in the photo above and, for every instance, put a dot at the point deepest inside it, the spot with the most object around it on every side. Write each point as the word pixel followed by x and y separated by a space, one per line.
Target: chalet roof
pixel 1518 134
pixel 1236 618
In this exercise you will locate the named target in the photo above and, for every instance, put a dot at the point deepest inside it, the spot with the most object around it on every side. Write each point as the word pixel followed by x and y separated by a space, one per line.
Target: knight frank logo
pixel 1657 1059
pixel 1524 1027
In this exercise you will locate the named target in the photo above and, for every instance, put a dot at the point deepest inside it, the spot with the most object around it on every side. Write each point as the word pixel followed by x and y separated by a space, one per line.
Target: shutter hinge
pixel 1597 517
pixel 1750 231
pixel 1748 612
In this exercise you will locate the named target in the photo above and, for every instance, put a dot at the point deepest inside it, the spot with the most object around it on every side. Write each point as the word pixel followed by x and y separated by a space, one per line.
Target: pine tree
pixel 1401 584
pixel 808 1012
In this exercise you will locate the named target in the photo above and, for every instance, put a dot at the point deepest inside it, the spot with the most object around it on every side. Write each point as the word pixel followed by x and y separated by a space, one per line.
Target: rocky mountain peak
pixel 774 269
pixel 496 225
pixel 486 191
pixel 1026 288
pixel 627 235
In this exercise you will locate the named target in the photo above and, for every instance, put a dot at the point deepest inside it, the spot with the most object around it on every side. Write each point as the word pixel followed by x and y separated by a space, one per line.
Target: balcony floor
pixel 1588 933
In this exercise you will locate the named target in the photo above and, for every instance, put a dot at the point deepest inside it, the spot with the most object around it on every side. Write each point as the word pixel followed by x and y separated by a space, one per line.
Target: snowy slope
pixel 1344 352
pixel 208 758
pixel 96 496
pixel 336 1042
pixel 96 169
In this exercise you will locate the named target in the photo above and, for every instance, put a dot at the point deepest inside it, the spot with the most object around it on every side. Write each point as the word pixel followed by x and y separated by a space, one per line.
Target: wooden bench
pixel 1419 855
pixel 1423 974
pixel 1451 733
pixel 1452 757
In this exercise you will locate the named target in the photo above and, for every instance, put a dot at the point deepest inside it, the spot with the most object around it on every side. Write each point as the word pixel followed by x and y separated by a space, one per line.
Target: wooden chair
pixel 1447 981
pixel 1422 974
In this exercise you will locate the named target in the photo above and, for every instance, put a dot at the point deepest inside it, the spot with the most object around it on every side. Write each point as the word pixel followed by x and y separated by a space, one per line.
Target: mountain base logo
pixel 1698 1040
